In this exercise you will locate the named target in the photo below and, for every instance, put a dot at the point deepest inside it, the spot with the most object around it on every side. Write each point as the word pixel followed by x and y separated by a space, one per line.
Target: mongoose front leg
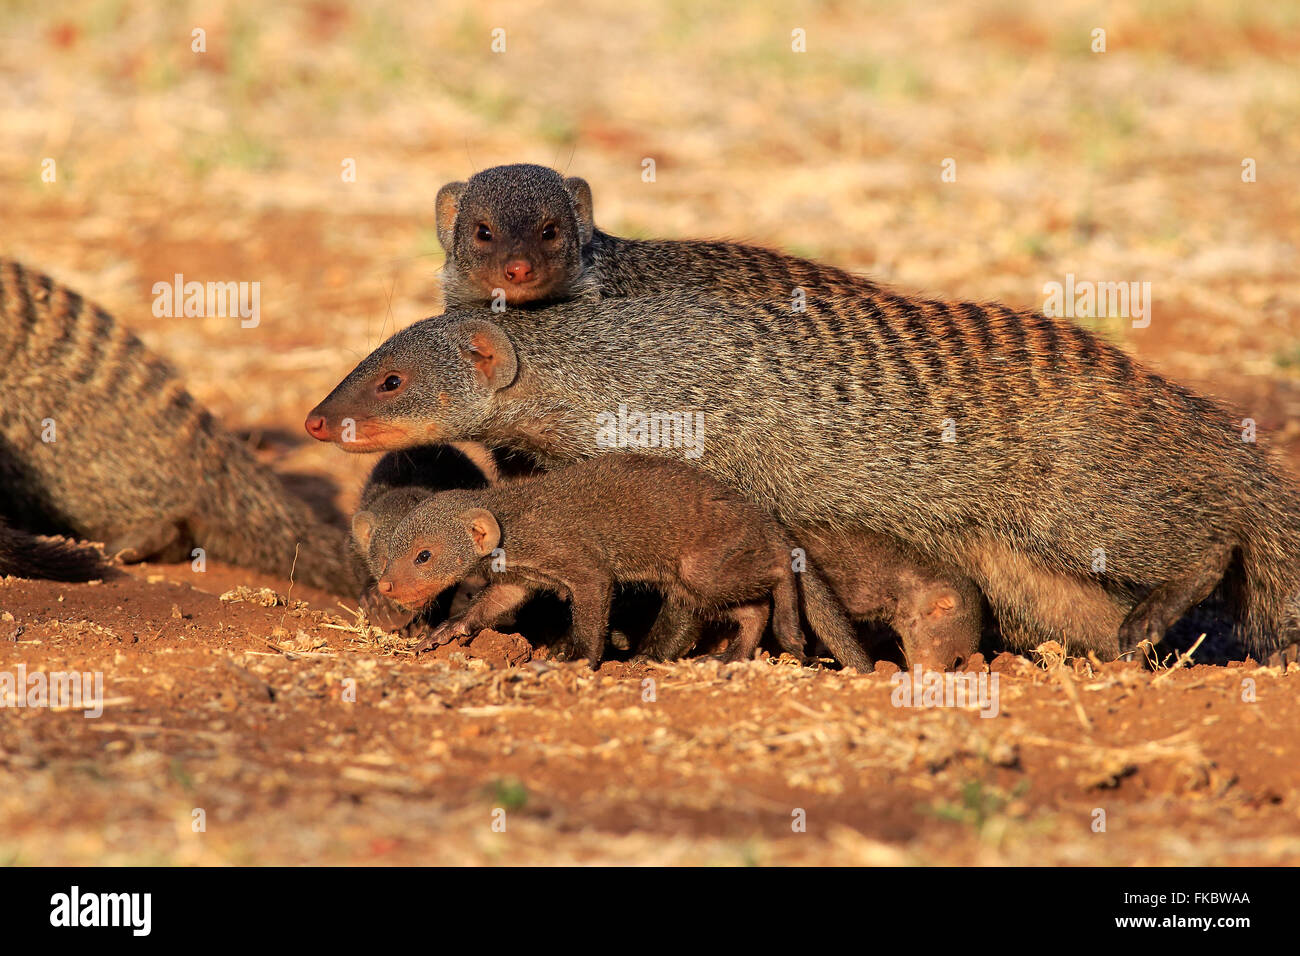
pixel 488 608
pixel 785 617
pixel 1162 608
pixel 382 612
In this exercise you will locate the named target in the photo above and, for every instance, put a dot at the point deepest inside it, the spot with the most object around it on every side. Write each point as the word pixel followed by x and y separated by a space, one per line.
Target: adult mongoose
pixel 1090 499
pixel 628 519
pixel 100 440
pixel 523 235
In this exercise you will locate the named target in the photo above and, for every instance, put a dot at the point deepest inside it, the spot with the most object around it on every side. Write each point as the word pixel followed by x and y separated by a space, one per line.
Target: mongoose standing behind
pixel 617 519
pixel 523 235
pixel 1078 511
pixel 100 440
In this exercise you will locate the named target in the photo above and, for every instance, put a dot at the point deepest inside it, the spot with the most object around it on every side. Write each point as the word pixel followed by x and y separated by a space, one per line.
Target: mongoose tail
pixel 101 441
pixel 26 556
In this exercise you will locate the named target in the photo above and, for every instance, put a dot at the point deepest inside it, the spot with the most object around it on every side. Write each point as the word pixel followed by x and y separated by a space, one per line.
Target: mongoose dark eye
pixel 423 557
pixel 391 384
pixel 548 231
pixel 484 234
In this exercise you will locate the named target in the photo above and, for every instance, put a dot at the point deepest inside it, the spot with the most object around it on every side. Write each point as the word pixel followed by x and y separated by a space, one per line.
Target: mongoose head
pixel 435 547
pixel 433 381
pixel 373 528
pixel 513 232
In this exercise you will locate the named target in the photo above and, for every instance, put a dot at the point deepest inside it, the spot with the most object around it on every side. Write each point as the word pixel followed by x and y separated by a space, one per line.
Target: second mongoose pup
pixel 399 481
pixel 617 519
pixel 99 440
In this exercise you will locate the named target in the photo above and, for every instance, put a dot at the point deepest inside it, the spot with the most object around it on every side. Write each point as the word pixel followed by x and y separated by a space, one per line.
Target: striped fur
pixel 1065 447
pixel 136 462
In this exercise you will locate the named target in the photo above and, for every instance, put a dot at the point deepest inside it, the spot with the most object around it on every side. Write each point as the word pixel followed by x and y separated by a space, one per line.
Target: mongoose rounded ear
pixel 580 193
pixel 484 532
pixel 363 528
pixel 487 348
pixel 445 208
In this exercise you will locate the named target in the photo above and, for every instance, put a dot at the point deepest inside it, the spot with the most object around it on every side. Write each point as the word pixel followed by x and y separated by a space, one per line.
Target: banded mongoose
pixel 398 482
pixel 26 556
pixel 1090 500
pixel 99 440
pixel 618 519
pixel 523 235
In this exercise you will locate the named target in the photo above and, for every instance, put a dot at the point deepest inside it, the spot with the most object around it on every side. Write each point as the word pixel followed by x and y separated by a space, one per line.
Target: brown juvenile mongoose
pixel 617 519
pixel 398 482
pixel 524 235
pixel 100 440
pixel 1088 498
pixel 27 556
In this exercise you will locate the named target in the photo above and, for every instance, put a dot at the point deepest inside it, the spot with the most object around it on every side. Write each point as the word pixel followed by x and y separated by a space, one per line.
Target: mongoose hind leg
pixel 785 616
pixel 675 631
pixel 591 600
pixel 1168 602
pixel 751 621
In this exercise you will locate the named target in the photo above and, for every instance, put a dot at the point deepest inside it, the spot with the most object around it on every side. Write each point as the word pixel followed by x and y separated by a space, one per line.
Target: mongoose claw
pixel 444 633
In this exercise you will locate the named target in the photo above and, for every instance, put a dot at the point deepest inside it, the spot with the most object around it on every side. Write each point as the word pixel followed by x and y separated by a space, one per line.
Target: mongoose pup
pixel 1091 500
pixel 617 519
pixel 99 440
pixel 398 482
pixel 524 235
pixel 936 612
pixel 27 556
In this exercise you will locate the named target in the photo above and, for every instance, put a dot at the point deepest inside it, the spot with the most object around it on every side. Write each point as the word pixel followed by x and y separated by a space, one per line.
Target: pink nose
pixel 518 270
pixel 317 427
pixel 386 587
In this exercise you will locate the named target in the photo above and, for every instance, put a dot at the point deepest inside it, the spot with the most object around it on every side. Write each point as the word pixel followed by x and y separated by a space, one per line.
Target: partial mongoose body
pixel 26 556
pixel 619 519
pixel 100 440
pixel 1087 497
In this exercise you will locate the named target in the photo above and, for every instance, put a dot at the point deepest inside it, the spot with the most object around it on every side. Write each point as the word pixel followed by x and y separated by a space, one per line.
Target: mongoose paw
pixel 444 633
pixel 1285 655
pixel 384 613
pixel 1138 628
